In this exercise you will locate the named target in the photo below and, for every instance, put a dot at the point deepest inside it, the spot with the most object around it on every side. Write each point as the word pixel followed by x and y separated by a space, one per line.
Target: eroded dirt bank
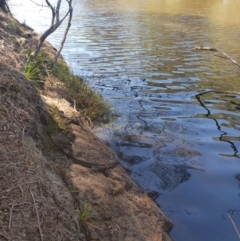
pixel 45 193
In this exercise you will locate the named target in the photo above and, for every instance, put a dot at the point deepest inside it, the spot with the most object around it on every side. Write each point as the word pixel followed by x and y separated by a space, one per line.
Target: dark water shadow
pixel 223 133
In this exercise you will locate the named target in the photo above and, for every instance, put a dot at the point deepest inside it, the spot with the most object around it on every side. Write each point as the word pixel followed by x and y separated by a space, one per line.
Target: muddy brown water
pixel 178 131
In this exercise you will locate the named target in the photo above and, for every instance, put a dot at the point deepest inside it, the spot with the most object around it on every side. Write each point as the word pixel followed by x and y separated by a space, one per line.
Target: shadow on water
pixel 208 115
pixel 171 175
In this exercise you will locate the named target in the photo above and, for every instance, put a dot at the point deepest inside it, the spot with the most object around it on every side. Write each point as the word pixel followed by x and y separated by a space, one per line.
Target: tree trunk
pixel 4 6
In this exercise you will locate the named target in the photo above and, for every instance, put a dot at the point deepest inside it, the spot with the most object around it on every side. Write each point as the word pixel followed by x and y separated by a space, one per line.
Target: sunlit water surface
pixel 178 141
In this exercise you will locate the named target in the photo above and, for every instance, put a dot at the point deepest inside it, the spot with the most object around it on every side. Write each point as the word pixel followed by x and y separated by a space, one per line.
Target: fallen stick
pixel 38 219
pixel 214 49
pixel 234 226
pixel 1 234
pixel 95 226
pixel 11 211
pixel 219 92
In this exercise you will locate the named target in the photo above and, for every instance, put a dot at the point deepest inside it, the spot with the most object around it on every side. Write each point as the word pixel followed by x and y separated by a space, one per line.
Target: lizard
pixel 103 168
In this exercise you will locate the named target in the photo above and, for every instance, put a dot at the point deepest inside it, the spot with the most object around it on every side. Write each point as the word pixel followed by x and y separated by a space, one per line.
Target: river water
pixel 178 130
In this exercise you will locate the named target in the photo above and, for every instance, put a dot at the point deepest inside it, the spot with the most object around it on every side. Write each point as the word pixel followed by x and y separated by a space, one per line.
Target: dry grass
pixel 8 56
pixel 35 204
pixel 11 41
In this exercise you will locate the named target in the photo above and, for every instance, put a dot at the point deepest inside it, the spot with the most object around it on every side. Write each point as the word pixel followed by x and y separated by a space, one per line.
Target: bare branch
pixel 4 6
pixel 11 210
pixel 57 10
pixel 214 49
pixel 44 36
pixel 53 12
pixel 66 31
pixel 40 5
pixel 234 226
pixel 55 23
pixel 1 234
pixel 49 4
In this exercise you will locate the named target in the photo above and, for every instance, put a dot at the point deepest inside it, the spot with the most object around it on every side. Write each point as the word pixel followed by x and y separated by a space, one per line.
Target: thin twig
pixel 23 131
pixel 55 23
pixel 57 10
pixel 214 49
pixel 40 5
pixel 10 217
pixel 26 183
pixel 105 209
pixel 11 210
pixel 74 105
pixel 39 226
pixel 1 234
pixel 234 226
pixel 220 92
pixel 70 12
pixel 94 226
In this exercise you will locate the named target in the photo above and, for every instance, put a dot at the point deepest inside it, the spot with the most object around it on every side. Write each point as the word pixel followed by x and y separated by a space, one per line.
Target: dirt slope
pixel 44 194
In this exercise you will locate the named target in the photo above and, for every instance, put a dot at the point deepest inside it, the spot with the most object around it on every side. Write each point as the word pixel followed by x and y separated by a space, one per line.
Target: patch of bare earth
pixel 44 194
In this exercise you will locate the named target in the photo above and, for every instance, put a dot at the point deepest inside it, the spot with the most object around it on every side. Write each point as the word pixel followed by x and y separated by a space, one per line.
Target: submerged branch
pixel 234 226
pixel 214 49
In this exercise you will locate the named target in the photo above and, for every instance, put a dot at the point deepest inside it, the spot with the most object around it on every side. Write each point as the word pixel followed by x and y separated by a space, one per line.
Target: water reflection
pixel 238 179
pixel 169 158
pixel 234 119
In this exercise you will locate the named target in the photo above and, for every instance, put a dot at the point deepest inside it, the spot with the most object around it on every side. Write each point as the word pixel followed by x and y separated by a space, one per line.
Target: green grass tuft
pixel 34 70
pixel 87 212
pixel 90 104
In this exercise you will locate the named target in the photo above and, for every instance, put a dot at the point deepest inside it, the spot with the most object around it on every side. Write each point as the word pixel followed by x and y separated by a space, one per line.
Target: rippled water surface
pixel 178 131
